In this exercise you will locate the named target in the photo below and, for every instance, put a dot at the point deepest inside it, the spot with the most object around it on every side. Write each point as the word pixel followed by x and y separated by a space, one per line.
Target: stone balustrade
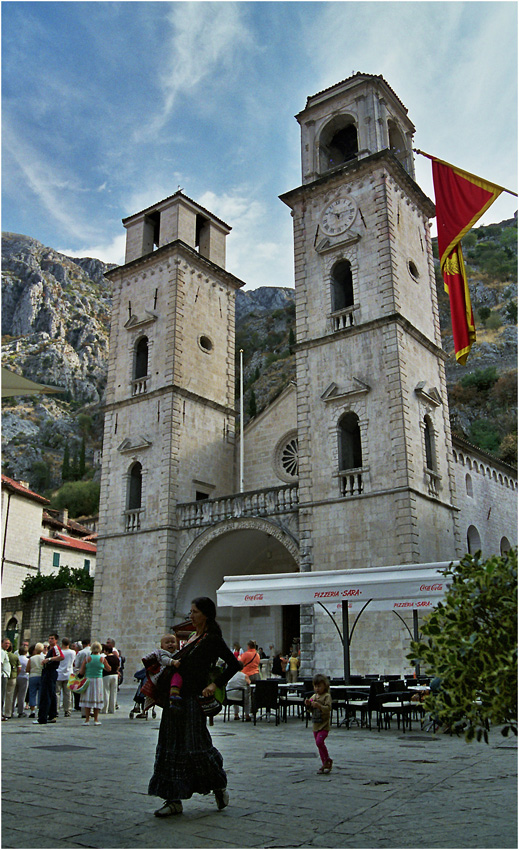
pixel 341 319
pixel 140 385
pixel 350 482
pixel 276 500
pixel 133 519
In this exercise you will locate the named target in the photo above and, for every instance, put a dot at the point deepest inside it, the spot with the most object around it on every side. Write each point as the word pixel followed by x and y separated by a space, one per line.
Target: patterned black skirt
pixel 186 762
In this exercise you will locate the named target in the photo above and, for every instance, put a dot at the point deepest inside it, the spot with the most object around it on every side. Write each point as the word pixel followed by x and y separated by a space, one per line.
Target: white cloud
pixel 260 245
pixel 204 38
pixel 46 182
pixel 107 252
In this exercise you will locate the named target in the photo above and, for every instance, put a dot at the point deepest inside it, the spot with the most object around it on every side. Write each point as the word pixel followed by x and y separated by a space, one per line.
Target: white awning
pixel 400 587
pixel 14 385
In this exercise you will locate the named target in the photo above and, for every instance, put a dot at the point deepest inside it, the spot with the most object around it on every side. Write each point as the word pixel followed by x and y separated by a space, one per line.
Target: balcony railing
pixel 350 482
pixel 341 319
pixel 140 385
pixel 277 500
pixel 133 519
pixel 433 482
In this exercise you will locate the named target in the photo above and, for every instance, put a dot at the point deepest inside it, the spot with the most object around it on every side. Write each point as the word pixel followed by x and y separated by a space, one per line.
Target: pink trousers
pixel 320 738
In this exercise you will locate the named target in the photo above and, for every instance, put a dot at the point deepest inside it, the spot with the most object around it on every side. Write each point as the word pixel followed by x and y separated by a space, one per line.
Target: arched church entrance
pixel 241 547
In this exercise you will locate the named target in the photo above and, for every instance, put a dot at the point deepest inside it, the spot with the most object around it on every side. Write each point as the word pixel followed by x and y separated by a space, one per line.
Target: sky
pixel 108 108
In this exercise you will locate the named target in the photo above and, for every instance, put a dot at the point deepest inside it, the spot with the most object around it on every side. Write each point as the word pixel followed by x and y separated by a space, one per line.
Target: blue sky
pixel 110 107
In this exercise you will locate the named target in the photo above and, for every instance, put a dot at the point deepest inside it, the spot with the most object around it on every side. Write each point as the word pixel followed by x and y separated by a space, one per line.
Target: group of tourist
pixel 35 678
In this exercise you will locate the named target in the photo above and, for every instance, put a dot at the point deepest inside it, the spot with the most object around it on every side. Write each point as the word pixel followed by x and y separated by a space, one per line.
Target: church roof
pixel 359 76
pixel 178 194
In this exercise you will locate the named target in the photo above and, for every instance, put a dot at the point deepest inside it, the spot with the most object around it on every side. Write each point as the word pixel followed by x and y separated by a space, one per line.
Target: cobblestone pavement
pixel 386 790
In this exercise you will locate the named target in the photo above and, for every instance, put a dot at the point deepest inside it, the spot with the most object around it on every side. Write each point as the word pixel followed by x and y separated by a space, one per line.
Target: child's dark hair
pixel 321 679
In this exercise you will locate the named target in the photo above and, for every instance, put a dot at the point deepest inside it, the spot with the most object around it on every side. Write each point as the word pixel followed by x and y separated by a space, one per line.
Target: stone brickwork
pixel 264 439
pixel 67 612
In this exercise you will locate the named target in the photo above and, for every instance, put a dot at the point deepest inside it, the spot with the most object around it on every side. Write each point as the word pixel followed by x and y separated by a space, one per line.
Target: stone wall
pixel 67 612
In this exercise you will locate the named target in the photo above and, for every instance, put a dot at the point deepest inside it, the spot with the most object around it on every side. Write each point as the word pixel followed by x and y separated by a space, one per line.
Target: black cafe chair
pixel 233 701
pixel 394 705
pixel 265 697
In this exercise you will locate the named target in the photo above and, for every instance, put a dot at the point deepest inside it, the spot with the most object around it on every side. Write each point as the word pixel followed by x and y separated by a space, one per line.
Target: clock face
pixel 338 216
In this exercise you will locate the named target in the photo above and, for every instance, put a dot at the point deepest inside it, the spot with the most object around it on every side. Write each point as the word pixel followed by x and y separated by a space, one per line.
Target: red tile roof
pixel 70 543
pixel 20 489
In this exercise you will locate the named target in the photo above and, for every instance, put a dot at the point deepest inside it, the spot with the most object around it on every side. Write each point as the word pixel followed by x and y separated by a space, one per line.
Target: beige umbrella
pixel 13 385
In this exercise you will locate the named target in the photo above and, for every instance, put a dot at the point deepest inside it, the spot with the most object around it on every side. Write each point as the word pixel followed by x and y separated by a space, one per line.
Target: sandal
pixel 327 766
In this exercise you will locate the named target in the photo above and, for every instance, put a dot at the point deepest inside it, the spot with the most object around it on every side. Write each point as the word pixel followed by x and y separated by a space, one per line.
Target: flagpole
pixel 241 420
pixel 468 173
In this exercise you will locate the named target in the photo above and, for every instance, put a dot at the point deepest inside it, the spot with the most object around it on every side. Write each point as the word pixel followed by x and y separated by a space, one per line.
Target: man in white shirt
pixel 64 671
pixel 6 669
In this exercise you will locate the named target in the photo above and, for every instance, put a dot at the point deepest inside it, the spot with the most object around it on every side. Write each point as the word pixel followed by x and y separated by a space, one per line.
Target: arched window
pixel 342 286
pixel 141 358
pixel 468 485
pixel 338 143
pixel 135 487
pixel 504 546
pixel 350 448
pixel 428 435
pixel 473 540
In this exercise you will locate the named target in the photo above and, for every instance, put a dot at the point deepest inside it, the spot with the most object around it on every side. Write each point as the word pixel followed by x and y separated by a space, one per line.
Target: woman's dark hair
pixel 208 609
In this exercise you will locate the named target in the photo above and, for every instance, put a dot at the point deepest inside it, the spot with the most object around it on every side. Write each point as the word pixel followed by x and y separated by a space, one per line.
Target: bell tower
pixel 376 484
pixel 169 415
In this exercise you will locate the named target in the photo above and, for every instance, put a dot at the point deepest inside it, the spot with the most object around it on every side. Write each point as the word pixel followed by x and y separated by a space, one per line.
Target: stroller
pixel 139 699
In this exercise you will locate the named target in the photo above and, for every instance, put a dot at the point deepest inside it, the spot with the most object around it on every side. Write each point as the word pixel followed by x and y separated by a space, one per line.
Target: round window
pixel 205 344
pixel 286 458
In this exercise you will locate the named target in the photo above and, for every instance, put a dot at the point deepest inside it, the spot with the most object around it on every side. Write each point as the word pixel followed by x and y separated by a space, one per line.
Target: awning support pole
pixel 346 641
pixel 416 637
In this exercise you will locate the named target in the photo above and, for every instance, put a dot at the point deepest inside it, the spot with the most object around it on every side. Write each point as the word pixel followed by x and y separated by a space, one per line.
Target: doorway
pixel 291 627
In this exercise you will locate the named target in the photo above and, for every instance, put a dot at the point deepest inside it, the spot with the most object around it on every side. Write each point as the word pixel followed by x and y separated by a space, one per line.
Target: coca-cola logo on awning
pixel 257 597
pixel 431 587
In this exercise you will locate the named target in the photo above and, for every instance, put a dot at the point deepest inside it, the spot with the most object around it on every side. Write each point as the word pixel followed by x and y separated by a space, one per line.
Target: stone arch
pixel 238 546
pixel 338 142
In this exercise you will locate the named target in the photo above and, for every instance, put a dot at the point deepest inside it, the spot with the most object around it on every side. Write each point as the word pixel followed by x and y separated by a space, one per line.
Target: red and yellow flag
pixel 461 199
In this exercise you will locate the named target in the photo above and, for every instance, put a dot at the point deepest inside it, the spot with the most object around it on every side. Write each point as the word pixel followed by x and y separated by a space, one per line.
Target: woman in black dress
pixel 186 761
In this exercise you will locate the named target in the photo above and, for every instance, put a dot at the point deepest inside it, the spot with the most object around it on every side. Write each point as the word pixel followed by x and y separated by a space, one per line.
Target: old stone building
pixel 351 467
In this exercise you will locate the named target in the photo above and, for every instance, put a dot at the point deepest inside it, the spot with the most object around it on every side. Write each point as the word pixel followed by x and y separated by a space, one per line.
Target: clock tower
pixel 376 484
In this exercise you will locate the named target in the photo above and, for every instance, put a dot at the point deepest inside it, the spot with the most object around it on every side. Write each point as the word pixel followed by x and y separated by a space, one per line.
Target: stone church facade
pixel 352 466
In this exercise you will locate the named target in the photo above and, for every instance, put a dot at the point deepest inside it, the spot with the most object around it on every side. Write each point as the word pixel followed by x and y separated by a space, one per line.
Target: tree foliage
pixel 471 644
pixel 80 497
pixel 65 577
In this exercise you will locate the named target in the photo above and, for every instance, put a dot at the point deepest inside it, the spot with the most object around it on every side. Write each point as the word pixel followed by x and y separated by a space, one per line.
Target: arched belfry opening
pixel 338 143
pixel 342 286
pixel 397 143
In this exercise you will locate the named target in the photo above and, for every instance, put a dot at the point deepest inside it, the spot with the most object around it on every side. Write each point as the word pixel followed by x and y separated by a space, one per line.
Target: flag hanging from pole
pixel 461 199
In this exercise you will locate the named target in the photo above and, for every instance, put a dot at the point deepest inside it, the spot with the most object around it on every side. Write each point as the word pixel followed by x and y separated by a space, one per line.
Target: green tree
pixel 85 424
pixel 40 474
pixel 80 497
pixel 65 577
pixel 291 339
pixel 65 467
pixel 471 644
pixel 74 466
pixel 484 313
pixel 485 435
